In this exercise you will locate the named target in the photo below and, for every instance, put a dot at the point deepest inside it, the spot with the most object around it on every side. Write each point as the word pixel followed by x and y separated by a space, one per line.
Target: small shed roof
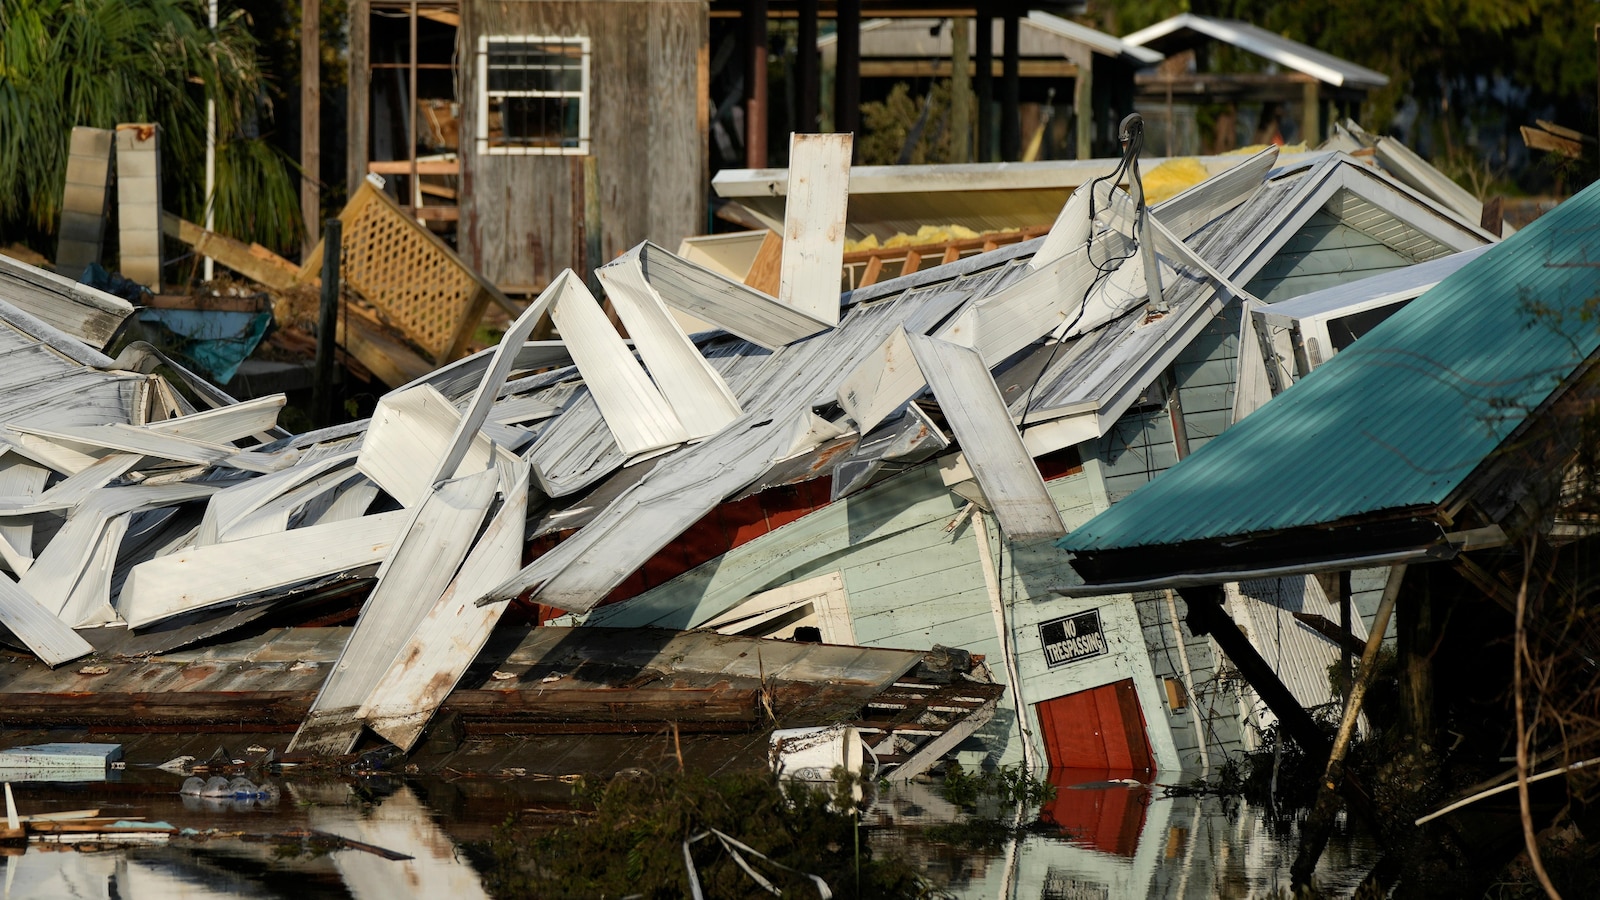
pixel 1040 35
pixel 1187 29
pixel 1401 418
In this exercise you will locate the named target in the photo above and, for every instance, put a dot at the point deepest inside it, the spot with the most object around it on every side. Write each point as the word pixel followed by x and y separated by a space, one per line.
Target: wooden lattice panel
pixel 411 277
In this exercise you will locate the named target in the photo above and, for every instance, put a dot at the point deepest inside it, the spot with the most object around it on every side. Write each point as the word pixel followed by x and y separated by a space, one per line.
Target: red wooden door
pixel 1101 728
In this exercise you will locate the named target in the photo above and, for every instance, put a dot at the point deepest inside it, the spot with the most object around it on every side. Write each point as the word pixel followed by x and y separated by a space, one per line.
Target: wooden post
pixel 1348 659
pixel 1011 88
pixel 847 69
pixel 755 84
pixel 593 247
pixel 1414 640
pixel 1206 616
pixel 983 84
pixel 960 92
pixel 414 193
pixel 1320 822
pixel 1311 114
pixel 359 94
pixel 310 117
pixel 807 68
pixel 1083 106
pixel 327 324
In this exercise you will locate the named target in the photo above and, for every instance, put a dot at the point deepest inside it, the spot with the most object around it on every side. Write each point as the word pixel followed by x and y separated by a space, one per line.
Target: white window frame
pixel 484 94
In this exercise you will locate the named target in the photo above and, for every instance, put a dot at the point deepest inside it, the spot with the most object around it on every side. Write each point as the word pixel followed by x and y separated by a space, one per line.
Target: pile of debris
pixel 578 471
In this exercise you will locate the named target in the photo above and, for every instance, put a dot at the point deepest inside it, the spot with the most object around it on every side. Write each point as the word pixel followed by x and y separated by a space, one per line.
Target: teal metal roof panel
pixel 1404 415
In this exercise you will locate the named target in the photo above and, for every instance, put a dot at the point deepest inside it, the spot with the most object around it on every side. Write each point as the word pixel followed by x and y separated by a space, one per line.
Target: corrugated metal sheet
pixel 1176 31
pixel 1401 417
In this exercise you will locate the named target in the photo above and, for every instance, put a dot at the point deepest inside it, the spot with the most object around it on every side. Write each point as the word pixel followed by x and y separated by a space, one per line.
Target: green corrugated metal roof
pixel 1401 417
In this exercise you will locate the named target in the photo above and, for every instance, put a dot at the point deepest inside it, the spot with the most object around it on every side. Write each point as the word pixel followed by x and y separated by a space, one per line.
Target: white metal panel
pixel 86 313
pixel 24 481
pixel 195 579
pixel 62 564
pixel 1069 233
pixel 450 636
pixel 226 423
pixel 231 504
pixel 977 414
pixel 697 393
pixel 726 303
pixel 415 574
pixel 638 416
pixel 95 440
pixel 882 383
pixel 1218 195
pixel 813 224
pixel 275 515
pixel 407 440
pixel 46 635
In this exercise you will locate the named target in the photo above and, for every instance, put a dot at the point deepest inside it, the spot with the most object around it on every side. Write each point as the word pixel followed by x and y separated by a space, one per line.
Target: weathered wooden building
pixel 542 134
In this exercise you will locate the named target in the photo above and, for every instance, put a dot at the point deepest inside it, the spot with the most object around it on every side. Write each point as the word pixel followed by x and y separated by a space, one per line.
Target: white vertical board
pixel 698 395
pixel 22 480
pixel 415 574
pixel 976 412
pixel 813 224
pixel 638 416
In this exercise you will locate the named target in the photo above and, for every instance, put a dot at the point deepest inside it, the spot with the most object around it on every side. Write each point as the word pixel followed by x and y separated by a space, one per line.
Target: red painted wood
pixel 1100 728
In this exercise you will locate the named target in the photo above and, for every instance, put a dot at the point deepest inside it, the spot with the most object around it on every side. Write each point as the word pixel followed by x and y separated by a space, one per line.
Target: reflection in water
pixel 1100 837
pixel 1120 838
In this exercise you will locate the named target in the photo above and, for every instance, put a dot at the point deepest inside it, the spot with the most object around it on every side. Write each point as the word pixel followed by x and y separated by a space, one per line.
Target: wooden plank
pixel 638 416
pixel 414 576
pixel 766 268
pixel 253 261
pixel 976 412
pixel 207 711
pixel 424 167
pixel 452 633
pixel 873 271
pixel 1538 139
pixel 697 394
pixel 814 223
pixel 207 576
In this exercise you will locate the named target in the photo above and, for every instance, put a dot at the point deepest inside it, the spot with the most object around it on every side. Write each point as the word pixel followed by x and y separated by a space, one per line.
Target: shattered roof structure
pixel 1395 434
pixel 1187 29
pixel 603 451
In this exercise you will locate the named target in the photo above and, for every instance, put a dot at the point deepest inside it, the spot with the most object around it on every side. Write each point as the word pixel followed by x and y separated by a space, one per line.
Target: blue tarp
pixel 215 340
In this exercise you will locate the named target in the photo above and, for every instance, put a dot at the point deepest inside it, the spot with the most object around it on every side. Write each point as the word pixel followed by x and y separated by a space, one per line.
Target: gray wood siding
pixel 1326 252
pixel 521 215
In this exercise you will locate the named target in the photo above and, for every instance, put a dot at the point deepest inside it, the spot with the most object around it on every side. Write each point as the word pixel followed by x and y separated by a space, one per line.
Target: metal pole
pixel 327 325
pixel 211 156
pixel 415 195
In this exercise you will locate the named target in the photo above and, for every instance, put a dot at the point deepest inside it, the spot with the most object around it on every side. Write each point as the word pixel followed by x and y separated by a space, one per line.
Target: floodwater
pixel 1096 839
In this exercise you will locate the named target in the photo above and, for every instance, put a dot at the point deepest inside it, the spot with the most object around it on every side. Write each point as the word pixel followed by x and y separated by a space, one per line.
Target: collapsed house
pixel 885 469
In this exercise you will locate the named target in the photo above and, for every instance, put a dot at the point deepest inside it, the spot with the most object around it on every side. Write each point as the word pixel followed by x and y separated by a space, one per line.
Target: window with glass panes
pixel 533 95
